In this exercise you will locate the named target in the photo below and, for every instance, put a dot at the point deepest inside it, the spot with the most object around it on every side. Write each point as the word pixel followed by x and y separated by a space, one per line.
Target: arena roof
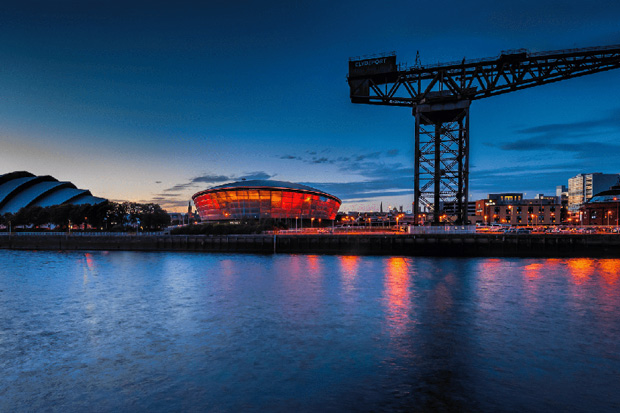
pixel 22 189
pixel 267 184
pixel 612 195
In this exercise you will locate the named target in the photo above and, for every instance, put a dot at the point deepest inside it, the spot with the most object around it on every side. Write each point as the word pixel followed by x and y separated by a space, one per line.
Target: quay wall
pixel 501 245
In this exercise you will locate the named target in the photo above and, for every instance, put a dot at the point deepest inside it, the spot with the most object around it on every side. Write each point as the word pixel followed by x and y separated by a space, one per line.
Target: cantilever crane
pixel 440 96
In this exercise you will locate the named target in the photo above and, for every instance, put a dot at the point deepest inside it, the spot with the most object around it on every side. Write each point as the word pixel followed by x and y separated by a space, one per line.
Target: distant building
pixel 451 209
pixel 511 208
pixel 584 186
pixel 603 208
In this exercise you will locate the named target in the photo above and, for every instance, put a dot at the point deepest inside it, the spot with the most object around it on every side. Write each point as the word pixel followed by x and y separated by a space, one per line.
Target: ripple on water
pixel 223 332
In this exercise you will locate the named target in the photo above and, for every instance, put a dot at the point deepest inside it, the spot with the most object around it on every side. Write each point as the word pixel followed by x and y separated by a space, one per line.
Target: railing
pixel 447 229
pixel 83 234
pixel 372 56
pixel 508 53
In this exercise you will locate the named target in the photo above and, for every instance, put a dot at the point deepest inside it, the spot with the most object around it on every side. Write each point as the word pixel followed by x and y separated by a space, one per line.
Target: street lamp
pixel 616 199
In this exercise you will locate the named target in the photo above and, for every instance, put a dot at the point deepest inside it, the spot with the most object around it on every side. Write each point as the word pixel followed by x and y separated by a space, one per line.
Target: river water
pixel 131 331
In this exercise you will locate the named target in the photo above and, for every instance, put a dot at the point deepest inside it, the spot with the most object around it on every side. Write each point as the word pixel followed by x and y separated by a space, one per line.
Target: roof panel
pixel 28 195
pixel 59 197
pixel 86 198
pixel 10 186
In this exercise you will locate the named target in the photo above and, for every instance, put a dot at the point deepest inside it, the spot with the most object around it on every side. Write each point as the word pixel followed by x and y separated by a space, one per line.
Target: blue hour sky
pixel 154 101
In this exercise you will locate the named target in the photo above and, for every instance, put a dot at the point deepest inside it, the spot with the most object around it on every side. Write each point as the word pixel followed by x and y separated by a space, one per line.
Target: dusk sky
pixel 155 101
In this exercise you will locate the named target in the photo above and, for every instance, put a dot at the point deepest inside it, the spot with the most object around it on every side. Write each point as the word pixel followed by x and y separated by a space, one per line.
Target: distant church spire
pixel 381 208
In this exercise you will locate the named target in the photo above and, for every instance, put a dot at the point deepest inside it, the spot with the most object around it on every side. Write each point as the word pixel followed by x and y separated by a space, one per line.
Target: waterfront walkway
pixel 436 244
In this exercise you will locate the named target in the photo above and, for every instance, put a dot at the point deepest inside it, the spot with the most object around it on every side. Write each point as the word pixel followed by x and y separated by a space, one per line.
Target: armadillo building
pixel 264 199
pixel 23 189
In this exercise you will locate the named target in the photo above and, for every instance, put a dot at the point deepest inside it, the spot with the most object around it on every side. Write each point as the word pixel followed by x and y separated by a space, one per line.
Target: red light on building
pixel 265 199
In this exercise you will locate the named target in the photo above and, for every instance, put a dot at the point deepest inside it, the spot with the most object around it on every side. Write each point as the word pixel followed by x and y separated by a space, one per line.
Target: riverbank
pixel 472 245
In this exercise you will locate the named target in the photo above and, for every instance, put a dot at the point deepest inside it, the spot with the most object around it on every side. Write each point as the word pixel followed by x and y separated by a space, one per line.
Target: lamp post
pixel 296 224
pixel 312 222
pixel 616 199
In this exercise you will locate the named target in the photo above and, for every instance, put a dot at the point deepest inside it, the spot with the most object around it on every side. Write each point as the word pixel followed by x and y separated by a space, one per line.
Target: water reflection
pixel 348 268
pixel 397 295
pixel 580 269
pixel 226 332
pixel 610 270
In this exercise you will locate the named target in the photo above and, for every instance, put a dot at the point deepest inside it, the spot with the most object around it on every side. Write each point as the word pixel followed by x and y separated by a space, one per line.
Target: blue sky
pixel 154 101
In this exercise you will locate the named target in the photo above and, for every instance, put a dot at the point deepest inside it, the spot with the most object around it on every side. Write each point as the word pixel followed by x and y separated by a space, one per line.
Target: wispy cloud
pixel 586 139
pixel 169 196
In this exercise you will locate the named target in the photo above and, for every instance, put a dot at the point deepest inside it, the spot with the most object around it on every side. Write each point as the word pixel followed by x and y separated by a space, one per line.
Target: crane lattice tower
pixel 440 96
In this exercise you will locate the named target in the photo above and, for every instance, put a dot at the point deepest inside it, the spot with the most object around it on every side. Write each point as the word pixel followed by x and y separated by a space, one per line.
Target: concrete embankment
pixel 520 245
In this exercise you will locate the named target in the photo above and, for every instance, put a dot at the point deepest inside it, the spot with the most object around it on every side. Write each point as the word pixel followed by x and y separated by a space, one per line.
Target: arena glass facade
pixel 264 199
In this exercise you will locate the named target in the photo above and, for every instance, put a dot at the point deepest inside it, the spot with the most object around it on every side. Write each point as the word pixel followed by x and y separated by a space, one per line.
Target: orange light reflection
pixel 398 295
pixel 580 269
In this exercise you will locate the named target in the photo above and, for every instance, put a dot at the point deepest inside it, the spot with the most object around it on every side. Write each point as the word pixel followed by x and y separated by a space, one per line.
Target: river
pixel 161 331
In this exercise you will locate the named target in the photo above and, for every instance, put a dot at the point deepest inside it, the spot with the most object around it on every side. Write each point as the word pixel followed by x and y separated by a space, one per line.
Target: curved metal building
pixel 264 199
pixel 22 189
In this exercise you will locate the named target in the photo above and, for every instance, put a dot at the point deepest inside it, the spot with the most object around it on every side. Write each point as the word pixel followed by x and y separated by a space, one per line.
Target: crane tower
pixel 440 96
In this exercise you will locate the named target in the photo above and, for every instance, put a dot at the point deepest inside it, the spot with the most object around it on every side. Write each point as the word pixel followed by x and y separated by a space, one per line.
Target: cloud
pixel 254 175
pixel 210 179
pixel 195 182
pixel 321 160
pixel 565 132
pixel 313 159
pixel 373 155
pixel 179 187
pixel 379 175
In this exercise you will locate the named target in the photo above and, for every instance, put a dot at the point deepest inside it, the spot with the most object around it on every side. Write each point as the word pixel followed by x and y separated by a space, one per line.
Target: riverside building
pixel 584 186
pixel 512 209
pixel 603 208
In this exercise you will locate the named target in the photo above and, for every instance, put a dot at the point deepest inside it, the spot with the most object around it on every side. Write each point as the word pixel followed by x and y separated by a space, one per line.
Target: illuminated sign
pixel 371 67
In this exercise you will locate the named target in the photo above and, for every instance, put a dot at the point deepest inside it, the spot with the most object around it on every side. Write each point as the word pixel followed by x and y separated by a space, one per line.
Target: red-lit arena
pixel 261 199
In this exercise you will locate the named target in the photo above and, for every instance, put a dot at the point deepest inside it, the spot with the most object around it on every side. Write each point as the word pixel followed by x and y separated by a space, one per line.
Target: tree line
pixel 107 216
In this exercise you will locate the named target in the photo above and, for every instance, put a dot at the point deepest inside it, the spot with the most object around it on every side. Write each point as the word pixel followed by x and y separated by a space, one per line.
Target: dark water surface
pixel 130 331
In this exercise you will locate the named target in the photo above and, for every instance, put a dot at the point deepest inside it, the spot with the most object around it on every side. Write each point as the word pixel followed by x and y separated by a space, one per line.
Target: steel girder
pixel 481 78
pixel 441 170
